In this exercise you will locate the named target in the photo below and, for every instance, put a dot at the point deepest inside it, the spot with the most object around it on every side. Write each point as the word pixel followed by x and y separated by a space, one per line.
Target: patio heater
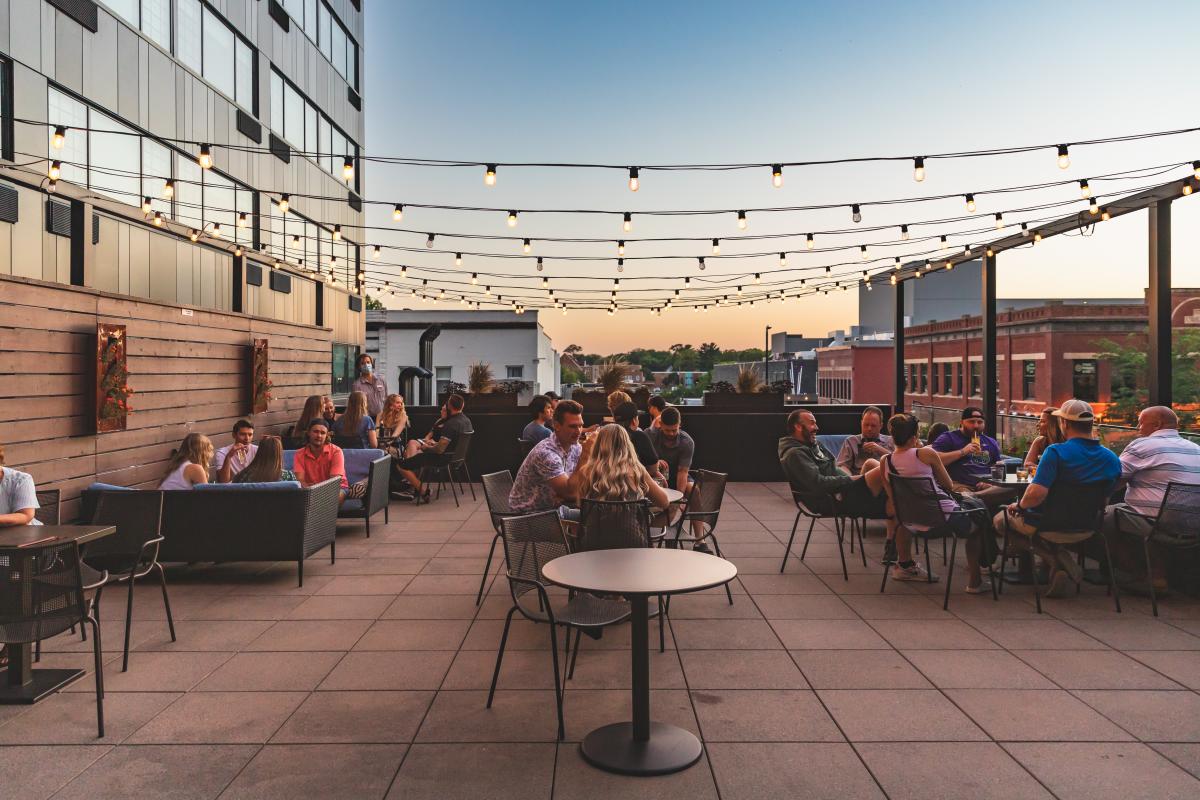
pixel 425 359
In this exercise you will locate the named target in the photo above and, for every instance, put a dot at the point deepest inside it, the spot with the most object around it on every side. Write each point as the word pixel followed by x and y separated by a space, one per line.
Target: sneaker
pixel 1061 584
pixel 1066 560
pixel 913 572
pixel 984 587
pixel 889 553
pixel 403 497
pixel 701 547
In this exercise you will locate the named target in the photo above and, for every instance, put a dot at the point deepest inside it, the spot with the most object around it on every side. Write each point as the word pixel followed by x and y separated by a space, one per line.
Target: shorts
pixel 857 501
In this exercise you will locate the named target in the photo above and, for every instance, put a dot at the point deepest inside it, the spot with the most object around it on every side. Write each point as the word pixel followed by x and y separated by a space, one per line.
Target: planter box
pixel 492 401
pixel 762 401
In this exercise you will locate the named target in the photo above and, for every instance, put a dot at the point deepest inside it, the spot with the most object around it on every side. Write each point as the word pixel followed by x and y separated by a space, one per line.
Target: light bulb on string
pixel 337 233
pixel 216 230
pixel 944 245
pixel 158 219
pixel 970 198
pixel 1037 236
pixel 489 175
pixel 398 212
pixel 620 265
pixel 512 219
pixel 777 175
pixel 1064 158
pixel 474 278
pixel 458 259
pixel 59 138
pixel 620 247
pixel 896 265
pixel 194 235
pixel 783 259
pixel 168 190
pixel 375 251
pixel 1025 229
pixel 1085 191
pixel 1196 169
pixel 243 219
pixel 237 251
pixel 1187 189
pixel 348 169
pixel 1104 215
pixel 758 277
pixel 919 169
pixel 716 247
pixel 999 221
pixel 1093 209
pixel 284 203
pixel 701 260
pixel 627 223
pixel 904 234
pixel 742 222
pixel 205 159
pixel 526 246
pixel 809 241
pixel 863 251
pixel 634 182
pixel 429 242
pixel 55 170
pixel 856 213
pixel 146 207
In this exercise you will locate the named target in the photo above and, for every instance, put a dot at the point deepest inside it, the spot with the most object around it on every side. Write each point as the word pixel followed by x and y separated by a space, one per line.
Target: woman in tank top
pixel 189 466
pixel 911 460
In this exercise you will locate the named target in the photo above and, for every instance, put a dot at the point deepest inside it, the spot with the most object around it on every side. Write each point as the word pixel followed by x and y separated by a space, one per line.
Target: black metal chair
pixel 701 512
pixel 1072 514
pixel 1175 527
pixel 530 542
pixel 496 488
pixel 49 503
pixel 824 507
pixel 451 465
pixel 919 509
pixel 375 500
pixel 41 596
pixel 130 553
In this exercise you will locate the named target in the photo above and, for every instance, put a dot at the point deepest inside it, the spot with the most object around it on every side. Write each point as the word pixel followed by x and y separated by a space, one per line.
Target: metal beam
pixel 898 346
pixel 988 381
pixel 1159 301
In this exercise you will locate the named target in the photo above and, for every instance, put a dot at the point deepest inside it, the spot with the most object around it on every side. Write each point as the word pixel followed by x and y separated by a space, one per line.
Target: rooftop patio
pixel 371 681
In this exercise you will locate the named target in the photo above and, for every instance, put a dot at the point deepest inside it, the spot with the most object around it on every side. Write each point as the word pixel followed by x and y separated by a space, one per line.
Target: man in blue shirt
pixel 1081 459
pixel 968 454
pixel 541 409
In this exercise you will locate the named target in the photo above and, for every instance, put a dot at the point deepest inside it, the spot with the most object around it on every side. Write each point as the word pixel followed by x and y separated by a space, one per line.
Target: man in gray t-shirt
pixel 674 447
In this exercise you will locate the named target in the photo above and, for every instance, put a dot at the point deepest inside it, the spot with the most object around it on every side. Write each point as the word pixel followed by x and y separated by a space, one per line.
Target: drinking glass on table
pixel 1022 474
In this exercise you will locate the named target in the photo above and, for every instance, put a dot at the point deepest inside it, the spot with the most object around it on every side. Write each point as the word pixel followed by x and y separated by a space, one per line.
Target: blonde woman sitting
pixel 609 470
pixel 189 466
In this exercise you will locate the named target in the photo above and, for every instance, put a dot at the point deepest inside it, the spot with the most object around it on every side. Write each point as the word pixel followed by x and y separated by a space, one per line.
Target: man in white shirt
pixel 233 458
pixel 1158 456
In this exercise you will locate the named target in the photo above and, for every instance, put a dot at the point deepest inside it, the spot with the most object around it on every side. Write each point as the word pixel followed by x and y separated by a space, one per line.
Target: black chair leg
pixel 574 651
pixel 811 522
pixel 662 621
pixel 1037 587
pixel 500 654
pixel 453 491
pixel 487 568
pixel 837 523
pixel 1112 578
pixel 162 580
pixel 128 623
pixel 883 585
pixel 558 687
pixel 470 483
pixel 787 550
pixel 729 594
pixel 862 545
pixel 99 675
pixel 1004 555
pixel 949 572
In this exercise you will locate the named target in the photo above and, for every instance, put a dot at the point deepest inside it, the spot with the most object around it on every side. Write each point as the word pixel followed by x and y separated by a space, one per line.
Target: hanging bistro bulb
pixel 896 266
pixel 944 245
pixel 919 169
pixel 526 246
pixel 904 234
pixel 1092 207
pixel 1104 215
pixel 489 175
pixel 742 221
pixel 348 169
pixel 783 259
pixel 716 247
pixel 999 221
pixel 620 247
pixel 216 230
pixel 701 260
pixel 777 175
pixel 863 251
pixel 146 208
pixel 1024 229
pixel 856 213
pixel 627 224
pixel 809 242
pixel 634 183
pixel 284 203
pixel 59 138
pixel 474 278
pixel 205 159
pixel 970 198
pixel 55 170
pixel 158 219
pixel 458 259
pixel 243 219
pixel 375 251
pixel 1196 169
pixel 539 264
pixel 758 277
pixel 512 219
pixel 398 212
pixel 194 235
pixel 1064 158
pixel 168 191
pixel 620 265
pixel 237 251
pixel 429 242
pixel 1085 191
pixel 1187 189
pixel 337 233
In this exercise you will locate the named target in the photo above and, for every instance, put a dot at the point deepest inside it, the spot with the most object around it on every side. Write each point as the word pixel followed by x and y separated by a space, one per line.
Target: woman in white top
pixel 189 466
pixel 911 460
pixel 18 498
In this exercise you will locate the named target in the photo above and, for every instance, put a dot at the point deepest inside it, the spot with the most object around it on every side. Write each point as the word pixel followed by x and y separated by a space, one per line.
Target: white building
pixel 515 345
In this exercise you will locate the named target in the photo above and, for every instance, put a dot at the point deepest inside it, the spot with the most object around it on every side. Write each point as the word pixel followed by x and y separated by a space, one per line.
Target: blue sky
pixel 641 82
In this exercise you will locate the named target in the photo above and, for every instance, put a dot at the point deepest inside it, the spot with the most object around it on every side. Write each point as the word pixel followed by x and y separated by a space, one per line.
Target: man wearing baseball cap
pixel 1081 459
pixel 968 454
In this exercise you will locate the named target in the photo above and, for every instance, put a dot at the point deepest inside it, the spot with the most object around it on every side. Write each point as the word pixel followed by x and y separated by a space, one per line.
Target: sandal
pixel 984 587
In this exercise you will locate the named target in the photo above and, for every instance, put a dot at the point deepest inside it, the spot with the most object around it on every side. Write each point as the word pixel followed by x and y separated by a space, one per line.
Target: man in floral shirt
pixel 543 481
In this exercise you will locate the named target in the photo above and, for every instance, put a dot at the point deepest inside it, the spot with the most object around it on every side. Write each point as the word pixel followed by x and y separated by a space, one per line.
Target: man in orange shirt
pixel 320 459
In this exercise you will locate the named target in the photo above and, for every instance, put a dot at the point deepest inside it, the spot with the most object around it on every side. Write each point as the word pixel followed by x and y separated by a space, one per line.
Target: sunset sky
pixel 689 82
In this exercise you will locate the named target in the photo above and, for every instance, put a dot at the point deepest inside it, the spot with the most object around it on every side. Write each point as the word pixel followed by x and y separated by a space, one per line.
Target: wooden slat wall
pixel 189 373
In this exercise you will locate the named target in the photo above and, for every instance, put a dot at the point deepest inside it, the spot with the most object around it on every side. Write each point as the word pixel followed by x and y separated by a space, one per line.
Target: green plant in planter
pixel 748 381
pixel 722 387
pixel 780 387
pixel 509 387
pixel 613 373
pixel 479 378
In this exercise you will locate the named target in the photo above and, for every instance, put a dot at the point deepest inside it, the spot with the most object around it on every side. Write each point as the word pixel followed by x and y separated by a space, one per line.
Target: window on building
pixel 152 17
pixel 1084 384
pixel 442 374
pixel 297 119
pixel 923 388
pixel 958 375
pixel 933 380
pixel 947 377
pixel 210 47
pixel 6 110
pixel 344 356
pixel 114 159
pixel 515 373
pixel 976 379
pixel 1028 379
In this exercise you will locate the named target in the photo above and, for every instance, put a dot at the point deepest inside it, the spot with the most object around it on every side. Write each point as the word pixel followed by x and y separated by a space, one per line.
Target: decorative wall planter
pixel 112 378
pixel 260 377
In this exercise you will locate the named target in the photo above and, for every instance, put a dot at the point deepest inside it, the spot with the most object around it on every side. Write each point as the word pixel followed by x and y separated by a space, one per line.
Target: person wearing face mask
pixel 370 384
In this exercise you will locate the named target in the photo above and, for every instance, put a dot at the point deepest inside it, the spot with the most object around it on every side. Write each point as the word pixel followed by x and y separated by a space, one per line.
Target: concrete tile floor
pixel 371 681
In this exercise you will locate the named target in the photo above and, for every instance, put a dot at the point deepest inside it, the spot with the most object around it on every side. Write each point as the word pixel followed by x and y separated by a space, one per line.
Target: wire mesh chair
pixel 530 542
pixel 701 513
pixel 496 488
pixel 41 596
pixel 130 553
pixel 919 509
pixel 450 465
pixel 1071 515
pixel 815 508
pixel 1176 527
pixel 48 510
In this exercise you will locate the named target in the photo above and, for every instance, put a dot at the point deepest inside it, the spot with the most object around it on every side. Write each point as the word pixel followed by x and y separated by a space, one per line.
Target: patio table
pixel 640 747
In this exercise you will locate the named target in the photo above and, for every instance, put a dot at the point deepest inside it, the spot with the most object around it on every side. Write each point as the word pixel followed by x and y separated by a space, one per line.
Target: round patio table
pixel 673 496
pixel 640 747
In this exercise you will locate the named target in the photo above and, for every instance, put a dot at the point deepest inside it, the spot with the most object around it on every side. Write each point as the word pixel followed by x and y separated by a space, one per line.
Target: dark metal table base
pixel 613 748
pixel 45 682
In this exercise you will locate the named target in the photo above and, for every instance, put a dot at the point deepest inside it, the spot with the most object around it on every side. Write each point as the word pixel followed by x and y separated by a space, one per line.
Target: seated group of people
pixel 614 461
pixel 1066 455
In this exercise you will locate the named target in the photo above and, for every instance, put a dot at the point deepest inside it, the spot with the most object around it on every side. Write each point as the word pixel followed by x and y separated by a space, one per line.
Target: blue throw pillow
pixel 108 487
pixel 238 487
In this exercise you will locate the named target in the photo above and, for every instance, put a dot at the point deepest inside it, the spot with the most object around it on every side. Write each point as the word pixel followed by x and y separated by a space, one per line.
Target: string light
pixel 284 203
pixel 539 264
pixel 194 235
pixel 146 208
pixel 809 242
pixel 634 183
pixel 627 223
pixel 742 222
pixel 716 247
pixel 1104 215
pixel 375 251
pixel 1187 189
pixel 1024 229
pixel 237 251
pixel 243 219
pixel 1037 236
pixel 526 246
pixel 429 242
pixel 205 159
pixel 1064 158
pixel 216 230
pixel 55 170
pixel 1196 169
pixel 970 203
pixel 1085 191
pixel 398 212
pixel 919 169
pixel 489 175
pixel 757 277
pixel 896 266
pixel 512 219
pixel 991 253
pixel 348 169
pixel 944 245
pixel 701 260
pixel 474 278
pixel 620 265
pixel 458 259
pixel 158 219
pixel 168 190
pixel 999 221
pixel 777 175
pixel 1093 209
pixel 783 259
pixel 904 234
pixel 337 233
pixel 59 138
pixel 620 247
pixel 856 213
pixel 863 251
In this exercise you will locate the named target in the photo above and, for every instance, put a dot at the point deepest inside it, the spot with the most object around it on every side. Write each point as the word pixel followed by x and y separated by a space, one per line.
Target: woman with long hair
pixel 267 466
pixel 609 470
pixel 355 422
pixel 312 410
pixel 189 465
pixel 393 424
pixel 911 460
pixel 1049 432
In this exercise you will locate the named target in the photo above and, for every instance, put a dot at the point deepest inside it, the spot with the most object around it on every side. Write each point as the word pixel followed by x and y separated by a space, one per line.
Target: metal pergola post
pixel 1158 300
pixel 988 333
pixel 898 346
